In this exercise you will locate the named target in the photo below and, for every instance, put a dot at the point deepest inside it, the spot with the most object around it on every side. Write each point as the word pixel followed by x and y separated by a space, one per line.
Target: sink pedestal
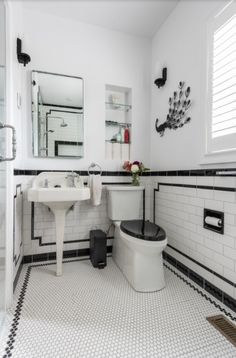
pixel 59 212
pixel 60 216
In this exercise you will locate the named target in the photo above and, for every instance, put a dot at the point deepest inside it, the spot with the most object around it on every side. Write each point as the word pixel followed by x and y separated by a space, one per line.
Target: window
pixel 222 82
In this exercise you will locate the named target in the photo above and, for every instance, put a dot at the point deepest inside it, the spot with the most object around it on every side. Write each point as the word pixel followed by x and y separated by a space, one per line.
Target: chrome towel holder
pixel 92 166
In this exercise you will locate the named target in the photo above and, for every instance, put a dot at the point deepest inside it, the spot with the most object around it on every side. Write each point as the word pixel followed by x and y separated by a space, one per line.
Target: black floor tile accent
pixel 209 299
pixel 17 315
pixel 200 281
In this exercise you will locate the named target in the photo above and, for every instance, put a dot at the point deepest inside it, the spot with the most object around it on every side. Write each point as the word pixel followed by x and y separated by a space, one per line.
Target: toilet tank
pixel 125 202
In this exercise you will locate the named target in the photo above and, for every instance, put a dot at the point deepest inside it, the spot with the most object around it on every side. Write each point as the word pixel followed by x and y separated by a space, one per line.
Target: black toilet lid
pixel 144 230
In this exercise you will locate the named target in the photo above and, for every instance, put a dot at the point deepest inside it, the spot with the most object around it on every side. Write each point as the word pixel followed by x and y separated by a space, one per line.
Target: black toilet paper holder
pixel 217 215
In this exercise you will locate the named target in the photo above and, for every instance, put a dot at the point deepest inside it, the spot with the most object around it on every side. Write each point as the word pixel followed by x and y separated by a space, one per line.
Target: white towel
pixel 95 185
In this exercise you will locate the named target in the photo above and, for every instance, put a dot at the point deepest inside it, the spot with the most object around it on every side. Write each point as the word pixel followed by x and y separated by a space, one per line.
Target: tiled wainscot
pixel 174 200
pixel 179 207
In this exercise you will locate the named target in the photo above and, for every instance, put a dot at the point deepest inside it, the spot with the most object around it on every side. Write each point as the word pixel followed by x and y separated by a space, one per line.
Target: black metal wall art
pixel 179 105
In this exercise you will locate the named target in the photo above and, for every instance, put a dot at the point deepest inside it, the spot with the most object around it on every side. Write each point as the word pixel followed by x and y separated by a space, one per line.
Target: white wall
pixel 181 45
pixel 99 56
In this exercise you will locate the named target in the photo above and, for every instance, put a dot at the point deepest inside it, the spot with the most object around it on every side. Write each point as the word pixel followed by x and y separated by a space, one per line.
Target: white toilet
pixel 138 245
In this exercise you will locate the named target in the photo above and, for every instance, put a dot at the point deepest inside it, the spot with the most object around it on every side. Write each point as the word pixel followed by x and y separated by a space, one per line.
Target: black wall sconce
pixel 159 82
pixel 22 57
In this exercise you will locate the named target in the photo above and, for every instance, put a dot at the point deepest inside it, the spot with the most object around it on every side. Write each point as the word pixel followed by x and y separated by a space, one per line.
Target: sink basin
pixel 57 189
pixel 58 194
pixel 59 197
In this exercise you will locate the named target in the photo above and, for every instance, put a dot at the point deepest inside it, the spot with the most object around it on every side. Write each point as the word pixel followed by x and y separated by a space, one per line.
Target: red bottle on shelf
pixel 126 135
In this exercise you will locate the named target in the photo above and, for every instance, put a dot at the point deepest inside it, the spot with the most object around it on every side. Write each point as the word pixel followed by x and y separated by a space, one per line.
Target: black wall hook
pixel 159 82
pixel 22 57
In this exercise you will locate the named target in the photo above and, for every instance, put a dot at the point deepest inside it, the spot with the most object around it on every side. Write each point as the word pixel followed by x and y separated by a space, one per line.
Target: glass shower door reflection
pixel 2 163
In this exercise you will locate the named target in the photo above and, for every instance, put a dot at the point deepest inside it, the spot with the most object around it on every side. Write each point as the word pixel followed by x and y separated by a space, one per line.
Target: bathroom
pixel 135 82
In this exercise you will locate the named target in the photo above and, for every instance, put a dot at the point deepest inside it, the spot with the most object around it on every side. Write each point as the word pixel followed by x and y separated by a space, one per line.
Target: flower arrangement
pixel 136 168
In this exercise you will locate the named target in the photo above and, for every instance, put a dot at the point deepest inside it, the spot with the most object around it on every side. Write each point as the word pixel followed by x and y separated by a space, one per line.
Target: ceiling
pixel 136 17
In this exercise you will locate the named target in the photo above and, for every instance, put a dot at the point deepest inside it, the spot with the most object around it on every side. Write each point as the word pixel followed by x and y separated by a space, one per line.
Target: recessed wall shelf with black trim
pixel 118 122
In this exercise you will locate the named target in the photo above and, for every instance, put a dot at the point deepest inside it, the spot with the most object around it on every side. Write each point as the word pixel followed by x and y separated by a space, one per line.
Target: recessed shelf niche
pixel 118 122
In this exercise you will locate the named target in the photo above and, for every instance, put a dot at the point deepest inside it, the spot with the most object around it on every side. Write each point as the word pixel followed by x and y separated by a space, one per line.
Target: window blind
pixel 224 81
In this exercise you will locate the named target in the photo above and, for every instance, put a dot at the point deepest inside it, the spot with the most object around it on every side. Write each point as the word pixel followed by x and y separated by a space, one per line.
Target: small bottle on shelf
pixel 126 135
pixel 122 134
pixel 118 136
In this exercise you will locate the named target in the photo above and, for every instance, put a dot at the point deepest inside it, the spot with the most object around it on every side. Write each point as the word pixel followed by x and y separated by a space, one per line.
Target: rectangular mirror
pixel 57 115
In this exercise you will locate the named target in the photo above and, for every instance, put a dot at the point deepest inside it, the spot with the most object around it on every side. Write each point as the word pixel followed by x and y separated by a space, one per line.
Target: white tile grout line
pixel 20 302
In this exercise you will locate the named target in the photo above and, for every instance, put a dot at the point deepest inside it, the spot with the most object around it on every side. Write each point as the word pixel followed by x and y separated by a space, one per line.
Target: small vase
pixel 135 179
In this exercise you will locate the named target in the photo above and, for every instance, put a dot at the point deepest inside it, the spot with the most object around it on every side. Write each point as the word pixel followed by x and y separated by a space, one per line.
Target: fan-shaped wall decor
pixel 179 105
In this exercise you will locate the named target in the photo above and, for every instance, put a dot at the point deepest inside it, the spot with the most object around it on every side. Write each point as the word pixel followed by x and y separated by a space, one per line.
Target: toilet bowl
pixel 140 259
pixel 138 244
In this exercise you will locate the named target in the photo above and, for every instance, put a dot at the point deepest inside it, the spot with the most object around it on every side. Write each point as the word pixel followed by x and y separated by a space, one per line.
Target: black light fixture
pixel 159 82
pixel 22 57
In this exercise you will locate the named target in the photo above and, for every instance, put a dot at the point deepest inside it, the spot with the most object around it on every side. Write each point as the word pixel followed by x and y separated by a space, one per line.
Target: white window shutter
pixel 222 81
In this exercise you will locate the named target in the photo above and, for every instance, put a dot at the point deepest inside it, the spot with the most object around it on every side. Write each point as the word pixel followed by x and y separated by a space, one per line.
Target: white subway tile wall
pixel 179 210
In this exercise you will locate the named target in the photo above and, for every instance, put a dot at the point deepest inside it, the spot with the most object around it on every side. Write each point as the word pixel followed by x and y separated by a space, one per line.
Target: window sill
pixel 226 156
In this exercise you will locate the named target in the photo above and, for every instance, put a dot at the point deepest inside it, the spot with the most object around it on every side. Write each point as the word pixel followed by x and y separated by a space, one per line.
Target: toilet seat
pixel 143 230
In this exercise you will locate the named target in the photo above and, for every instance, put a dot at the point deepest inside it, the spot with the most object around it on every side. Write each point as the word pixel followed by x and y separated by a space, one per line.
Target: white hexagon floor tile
pixel 90 313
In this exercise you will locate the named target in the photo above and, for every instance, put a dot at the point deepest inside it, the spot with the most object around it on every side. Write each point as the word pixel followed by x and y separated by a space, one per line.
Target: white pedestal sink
pixel 59 200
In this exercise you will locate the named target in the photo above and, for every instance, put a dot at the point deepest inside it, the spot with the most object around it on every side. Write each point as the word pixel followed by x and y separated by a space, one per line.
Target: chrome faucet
pixel 71 179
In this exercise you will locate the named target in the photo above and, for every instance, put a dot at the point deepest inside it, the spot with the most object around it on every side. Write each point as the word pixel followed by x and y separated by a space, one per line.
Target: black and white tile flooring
pixel 95 313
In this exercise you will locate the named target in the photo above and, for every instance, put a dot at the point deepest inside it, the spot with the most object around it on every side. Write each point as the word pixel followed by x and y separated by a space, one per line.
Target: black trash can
pixel 98 248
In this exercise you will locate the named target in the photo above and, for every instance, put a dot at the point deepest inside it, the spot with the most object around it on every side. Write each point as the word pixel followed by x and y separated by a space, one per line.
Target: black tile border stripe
pixel 204 187
pixel 188 172
pixel 29 259
pixel 17 315
pixel 203 266
pixel 204 295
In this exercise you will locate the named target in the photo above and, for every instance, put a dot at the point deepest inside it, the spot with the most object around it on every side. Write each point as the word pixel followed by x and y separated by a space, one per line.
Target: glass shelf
pixel 111 141
pixel 118 106
pixel 121 124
